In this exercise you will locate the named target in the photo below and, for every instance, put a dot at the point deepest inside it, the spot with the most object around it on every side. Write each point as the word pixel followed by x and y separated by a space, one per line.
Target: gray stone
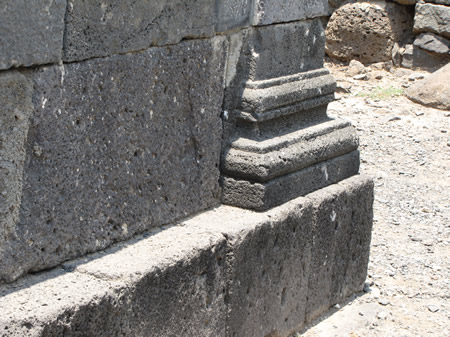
pixel 263 196
pixel 105 136
pixel 267 12
pixel 423 59
pixel 439 2
pixel 102 28
pixel 169 283
pixel 31 32
pixel 406 2
pixel 263 161
pixel 433 43
pixel 232 14
pixel 396 56
pixel 408 56
pixel 433 90
pixel 16 109
pixel 263 53
pixel 269 268
pixel 367 31
pixel 225 272
pixel 342 218
pixel 432 18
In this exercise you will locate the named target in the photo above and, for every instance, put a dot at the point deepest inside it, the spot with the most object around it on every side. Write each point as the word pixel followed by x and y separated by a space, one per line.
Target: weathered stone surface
pixel 104 138
pixel 225 272
pixel 31 32
pixel 263 196
pixel 440 2
pixel 432 18
pixel 101 28
pixel 367 31
pixel 267 12
pixel 433 90
pixel 262 161
pixel 16 109
pixel 233 14
pixel 406 2
pixel 264 53
pixel 423 59
pixel 269 270
pixel 342 218
pixel 170 283
pixel 433 43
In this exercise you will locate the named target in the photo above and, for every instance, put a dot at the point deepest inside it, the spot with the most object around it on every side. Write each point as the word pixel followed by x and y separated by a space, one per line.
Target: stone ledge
pixel 199 277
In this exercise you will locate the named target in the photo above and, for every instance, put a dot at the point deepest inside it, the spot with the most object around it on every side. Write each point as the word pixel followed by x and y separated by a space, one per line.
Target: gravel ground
pixel 405 147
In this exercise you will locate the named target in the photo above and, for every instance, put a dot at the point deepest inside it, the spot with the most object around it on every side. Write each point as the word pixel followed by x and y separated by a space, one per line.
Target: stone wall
pixel 121 117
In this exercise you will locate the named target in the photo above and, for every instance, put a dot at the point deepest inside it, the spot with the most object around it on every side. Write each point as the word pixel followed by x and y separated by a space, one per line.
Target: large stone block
pixel 169 283
pixel 432 18
pixel 342 217
pixel 31 32
pixel 117 146
pixel 269 266
pixel 102 28
pixel 267 12
pixel 233 14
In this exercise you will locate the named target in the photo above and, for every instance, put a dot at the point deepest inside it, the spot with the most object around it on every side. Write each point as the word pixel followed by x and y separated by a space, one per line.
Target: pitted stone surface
pixel 268 12
pixel 15 111
pixel 101 28
pixel 432 18
pixel 31 32
pixel 341 234
pixel 117 146
pixel 233 14
pixel 225 272
pixel 269 273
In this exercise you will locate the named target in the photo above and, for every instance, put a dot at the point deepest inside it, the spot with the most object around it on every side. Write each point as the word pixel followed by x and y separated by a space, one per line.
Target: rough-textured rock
pixel 104 137
pixel 407 56
pixel 31 32
pixel 355 68
pixel 406 2
pixel 16 109
pixel 396 56
pixel 433 90
pixel 267 12
pixel 269 274
pixel 439 2
pixel 101 28
pixel 233 14
pixel 433 43
pixel 432 18
pixel 342 218
pixel 367 31
pixel 225 272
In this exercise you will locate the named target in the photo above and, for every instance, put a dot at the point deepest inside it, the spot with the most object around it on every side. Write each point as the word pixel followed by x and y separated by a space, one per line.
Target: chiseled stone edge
pixel 263 196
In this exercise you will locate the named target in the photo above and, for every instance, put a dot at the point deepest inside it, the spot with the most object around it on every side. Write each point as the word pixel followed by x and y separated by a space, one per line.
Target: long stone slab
pixel 31 32
pixel 103 28
pixel 225 272
pixel 268 12
pixel 117 146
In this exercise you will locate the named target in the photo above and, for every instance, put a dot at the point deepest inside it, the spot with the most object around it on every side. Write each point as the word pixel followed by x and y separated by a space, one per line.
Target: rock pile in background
pixel 413 34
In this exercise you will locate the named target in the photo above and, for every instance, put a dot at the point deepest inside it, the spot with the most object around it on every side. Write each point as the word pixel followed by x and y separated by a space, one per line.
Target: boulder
pixel 433 90
pixel 367 31
pixel 406 2
pixel 433 43
pixel 432 18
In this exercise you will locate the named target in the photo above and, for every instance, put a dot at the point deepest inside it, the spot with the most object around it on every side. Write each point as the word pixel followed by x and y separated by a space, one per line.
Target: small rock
pixel 433 308
pixel 355 68
pixel 382 315
pixel 360 77
pixel 419 113
pixel 395 118
pixel 416 76
pixel 377 66
pixel 337 306
pixel 383 301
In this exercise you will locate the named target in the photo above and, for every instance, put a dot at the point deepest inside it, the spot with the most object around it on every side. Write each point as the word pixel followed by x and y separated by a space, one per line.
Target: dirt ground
pixel 405 147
